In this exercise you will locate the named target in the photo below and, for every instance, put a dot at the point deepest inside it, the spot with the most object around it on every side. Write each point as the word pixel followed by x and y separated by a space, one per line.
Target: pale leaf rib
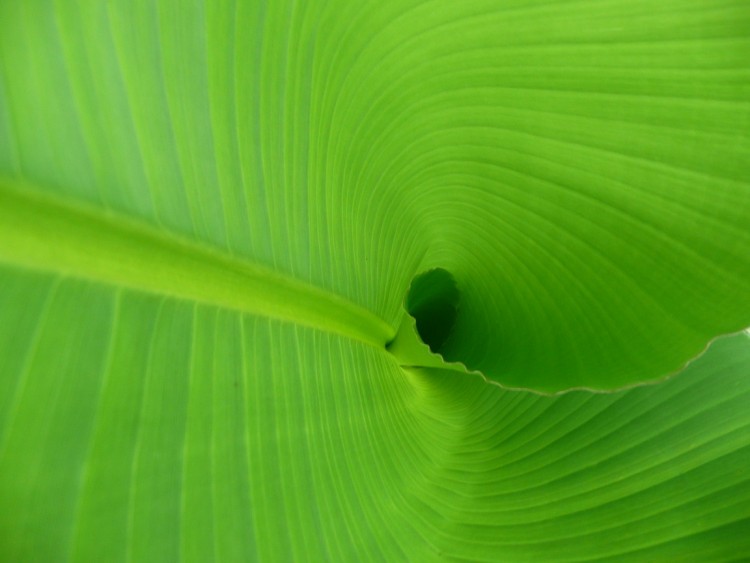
pixel 39 233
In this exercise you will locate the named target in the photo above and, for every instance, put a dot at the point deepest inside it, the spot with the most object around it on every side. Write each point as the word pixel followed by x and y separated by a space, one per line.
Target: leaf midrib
pixel 42 233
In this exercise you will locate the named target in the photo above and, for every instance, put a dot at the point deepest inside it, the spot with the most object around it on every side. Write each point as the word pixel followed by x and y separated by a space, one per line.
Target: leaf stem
pixel 42 233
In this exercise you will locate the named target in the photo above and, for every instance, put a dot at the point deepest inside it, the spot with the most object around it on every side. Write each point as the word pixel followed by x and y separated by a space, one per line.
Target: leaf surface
pixel 211 217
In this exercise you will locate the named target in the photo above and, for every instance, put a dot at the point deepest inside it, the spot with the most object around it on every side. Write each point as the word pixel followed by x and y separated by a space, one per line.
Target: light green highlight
pixel 39 233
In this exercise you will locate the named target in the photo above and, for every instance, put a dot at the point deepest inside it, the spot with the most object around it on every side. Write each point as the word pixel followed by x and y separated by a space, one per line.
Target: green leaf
pixel 213 219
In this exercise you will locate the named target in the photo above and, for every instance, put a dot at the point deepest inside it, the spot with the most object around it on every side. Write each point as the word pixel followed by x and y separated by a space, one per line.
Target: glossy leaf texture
pixel 210 217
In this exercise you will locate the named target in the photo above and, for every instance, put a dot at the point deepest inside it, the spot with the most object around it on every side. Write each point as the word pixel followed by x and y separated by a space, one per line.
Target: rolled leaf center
pixel 433 302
